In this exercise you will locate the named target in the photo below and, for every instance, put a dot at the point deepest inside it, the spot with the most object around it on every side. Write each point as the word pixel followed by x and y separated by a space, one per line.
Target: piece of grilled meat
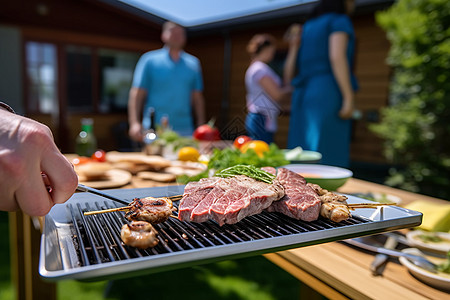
pixel 139 234
pixel 334 206
pixel 150 209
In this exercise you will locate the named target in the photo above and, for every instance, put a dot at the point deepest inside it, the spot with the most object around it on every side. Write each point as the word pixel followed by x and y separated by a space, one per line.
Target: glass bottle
pixel 150 134
pixel 86 143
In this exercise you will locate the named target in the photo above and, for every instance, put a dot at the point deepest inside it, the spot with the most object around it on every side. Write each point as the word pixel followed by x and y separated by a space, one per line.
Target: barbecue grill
pixel 74 246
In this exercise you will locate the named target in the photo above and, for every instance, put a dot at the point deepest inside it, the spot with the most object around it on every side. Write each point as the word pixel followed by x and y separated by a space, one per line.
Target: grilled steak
pixel 300 200
pixel 227 200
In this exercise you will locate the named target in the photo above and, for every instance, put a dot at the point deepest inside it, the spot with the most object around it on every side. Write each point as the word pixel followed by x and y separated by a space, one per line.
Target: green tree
pixel 416 125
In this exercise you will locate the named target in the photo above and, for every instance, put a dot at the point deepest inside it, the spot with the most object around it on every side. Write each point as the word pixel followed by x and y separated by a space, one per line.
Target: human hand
pixel 135 132
pixel 29 162
pixel 293 35
pixel 346 111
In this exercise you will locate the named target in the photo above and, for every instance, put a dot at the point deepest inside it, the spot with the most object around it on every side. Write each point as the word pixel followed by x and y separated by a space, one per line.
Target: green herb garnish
pixel 247 170
pixel 430 238
pixel 445 266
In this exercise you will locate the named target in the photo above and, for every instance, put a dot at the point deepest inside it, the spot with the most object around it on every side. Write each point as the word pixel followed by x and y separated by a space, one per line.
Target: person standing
pixel 265 89
pixel 168 80
pixel 324 88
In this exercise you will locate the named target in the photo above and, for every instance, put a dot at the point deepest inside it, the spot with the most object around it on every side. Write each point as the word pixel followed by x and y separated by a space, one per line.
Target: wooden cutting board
pixel 113 178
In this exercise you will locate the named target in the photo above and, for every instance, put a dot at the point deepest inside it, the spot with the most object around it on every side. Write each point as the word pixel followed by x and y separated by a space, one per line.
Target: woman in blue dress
pixel 323 97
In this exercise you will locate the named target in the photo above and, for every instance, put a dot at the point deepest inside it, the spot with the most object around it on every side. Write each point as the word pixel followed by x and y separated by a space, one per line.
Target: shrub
pixel 416 125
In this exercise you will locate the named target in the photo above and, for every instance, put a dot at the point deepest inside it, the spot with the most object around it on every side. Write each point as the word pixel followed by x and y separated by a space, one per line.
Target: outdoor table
pixel 333 269
pixel 337 271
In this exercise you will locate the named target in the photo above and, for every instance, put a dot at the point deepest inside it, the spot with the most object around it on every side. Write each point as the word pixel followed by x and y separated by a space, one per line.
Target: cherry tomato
pixel 99 156
pixel 80 160
pixel 241 140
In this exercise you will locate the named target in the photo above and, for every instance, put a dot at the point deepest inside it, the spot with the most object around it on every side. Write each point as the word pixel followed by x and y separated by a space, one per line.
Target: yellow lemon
pixel 258 146
pixel 188 154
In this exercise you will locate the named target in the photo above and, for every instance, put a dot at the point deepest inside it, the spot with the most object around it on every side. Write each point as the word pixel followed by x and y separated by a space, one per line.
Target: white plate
pixel 439 247
pixel 439 280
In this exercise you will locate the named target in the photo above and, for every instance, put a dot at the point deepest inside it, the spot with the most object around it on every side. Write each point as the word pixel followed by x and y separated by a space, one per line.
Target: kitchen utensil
pixel 380 260
pixel 417 260
pixel 84 188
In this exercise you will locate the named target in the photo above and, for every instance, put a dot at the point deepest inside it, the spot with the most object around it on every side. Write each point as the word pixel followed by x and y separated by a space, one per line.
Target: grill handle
pixel 83 188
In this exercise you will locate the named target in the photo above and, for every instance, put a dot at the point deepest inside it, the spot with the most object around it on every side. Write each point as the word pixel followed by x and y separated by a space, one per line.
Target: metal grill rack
pixel 90 247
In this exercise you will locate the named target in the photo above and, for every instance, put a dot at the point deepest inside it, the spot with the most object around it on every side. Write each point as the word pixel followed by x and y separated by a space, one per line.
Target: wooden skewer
pixel 175 197
pixel 367 205
pixel 94 212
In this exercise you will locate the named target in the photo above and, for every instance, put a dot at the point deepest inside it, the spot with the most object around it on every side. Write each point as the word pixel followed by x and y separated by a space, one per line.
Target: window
pixel 96 79
pixel 79 62
pixel 116 76
pixel 41 69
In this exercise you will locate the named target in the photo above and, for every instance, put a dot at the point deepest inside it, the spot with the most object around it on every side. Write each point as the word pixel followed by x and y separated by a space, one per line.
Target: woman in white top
pixel 265 89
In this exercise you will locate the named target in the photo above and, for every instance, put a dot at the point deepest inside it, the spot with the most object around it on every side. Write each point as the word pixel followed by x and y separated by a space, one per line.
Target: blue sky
pixel 199 12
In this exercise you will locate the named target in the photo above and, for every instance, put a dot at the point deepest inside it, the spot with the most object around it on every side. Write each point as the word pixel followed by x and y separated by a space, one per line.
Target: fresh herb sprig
pixel 247 170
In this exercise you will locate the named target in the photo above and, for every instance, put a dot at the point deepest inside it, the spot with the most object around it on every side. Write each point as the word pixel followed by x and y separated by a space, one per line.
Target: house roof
pixel 199 15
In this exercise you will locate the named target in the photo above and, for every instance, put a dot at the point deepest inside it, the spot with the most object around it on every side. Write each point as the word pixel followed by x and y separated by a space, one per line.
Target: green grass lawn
pixel 252 278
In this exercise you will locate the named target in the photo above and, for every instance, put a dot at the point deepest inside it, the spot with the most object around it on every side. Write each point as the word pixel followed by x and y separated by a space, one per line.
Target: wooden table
pixel 337 271
pixel 333 270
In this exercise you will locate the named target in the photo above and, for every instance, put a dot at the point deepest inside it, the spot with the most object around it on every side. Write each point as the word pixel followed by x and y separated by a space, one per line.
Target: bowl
pixel 296 156
pixel 439 280
pixel 437 242
pixel 328 177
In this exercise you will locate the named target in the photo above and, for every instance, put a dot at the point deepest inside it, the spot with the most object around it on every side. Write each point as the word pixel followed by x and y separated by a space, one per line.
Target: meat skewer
pixel 149 209
pixel 158 210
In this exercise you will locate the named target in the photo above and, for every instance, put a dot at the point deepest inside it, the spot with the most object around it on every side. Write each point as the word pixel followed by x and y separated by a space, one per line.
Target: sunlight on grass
pixel 238 287
pixel 6 291
pixel 75 290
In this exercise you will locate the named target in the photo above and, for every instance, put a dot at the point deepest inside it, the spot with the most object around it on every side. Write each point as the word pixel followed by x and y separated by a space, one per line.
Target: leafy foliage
pixel 229 157
pixel 416 126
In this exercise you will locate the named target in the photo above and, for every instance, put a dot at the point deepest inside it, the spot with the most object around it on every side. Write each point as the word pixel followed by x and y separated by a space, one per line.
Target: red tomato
pixel 206 132
pixel 80 160
pixel 99 156
pixel 241 140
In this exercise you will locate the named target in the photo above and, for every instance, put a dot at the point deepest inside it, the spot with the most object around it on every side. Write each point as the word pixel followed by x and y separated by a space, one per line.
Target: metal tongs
pixel 83 188
pixel 418 260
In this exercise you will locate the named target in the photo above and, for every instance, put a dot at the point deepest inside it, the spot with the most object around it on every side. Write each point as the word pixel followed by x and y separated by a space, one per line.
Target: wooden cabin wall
pixel 373 75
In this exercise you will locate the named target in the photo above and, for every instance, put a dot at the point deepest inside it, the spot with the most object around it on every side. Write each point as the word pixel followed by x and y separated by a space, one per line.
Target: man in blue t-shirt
pixel 168 80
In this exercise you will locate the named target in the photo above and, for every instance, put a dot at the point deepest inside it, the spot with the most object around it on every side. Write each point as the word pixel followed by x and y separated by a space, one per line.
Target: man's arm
pixel 136 102
pixel 198 103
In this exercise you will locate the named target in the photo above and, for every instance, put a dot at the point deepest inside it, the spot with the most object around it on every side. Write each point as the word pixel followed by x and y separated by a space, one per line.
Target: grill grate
pixel 96 238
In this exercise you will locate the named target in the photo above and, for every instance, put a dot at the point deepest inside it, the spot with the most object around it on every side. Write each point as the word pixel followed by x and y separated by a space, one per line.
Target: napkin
pixel 436 217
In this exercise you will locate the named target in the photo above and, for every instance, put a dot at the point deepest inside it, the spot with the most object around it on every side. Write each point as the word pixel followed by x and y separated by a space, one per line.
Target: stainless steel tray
pixel 68 251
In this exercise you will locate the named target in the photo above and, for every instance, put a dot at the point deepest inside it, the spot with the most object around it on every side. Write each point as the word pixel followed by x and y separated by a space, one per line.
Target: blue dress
pixel 315 123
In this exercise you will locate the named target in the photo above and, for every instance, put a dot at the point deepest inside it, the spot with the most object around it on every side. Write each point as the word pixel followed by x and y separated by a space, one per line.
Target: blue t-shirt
pixel 169 85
